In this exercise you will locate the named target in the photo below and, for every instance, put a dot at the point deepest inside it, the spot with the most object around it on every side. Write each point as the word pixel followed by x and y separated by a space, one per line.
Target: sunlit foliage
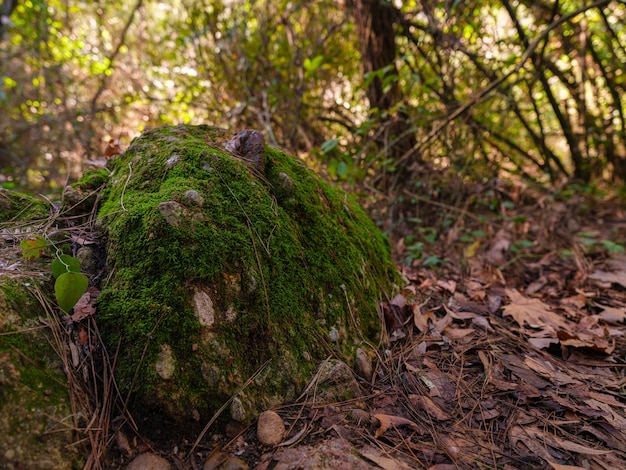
pixel 515 86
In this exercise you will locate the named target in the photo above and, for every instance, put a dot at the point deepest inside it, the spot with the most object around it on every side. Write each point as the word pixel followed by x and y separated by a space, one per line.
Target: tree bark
pixel 6 8
pixel 376 22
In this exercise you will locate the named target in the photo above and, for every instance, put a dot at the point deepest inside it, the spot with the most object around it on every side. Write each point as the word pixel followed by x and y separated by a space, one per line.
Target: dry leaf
pixel 535 314
pixel 399 301
pixel 449 286
pixel 388 421
pixel 113 148
pixel 612 314
pixel 84 307
pixel 483 323
pixel 499 247
pixel 557 466
pixel 123 444
pixel 433 410
pixel 386 463
pixel 422 321
pixel 608 278
pixel 543 343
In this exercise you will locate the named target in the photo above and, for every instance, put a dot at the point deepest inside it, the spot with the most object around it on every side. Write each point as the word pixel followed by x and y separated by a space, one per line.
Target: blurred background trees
pixel 380 94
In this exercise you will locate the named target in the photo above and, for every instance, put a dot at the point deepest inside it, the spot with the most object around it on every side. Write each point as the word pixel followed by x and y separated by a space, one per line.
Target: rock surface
pixel 222 272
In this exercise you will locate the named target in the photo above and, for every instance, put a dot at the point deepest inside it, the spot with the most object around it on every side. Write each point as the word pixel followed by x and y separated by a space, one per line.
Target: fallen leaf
pixel 485 415
pixel 399 301
pixel 534 313
pixel 216 459
pixel 83 337
pixel 458 333
pixel 388 421
pixel 608 278
pixel 123 444
pixel 113 148
pixel 483 323
pixel 598 340
pixel 499 247
pixel 385 463
pixel 612 314
pixel 449 286
pixel 543 343
pixel 84 308
pixel 557 466
pixel 428 405
pixel 422 321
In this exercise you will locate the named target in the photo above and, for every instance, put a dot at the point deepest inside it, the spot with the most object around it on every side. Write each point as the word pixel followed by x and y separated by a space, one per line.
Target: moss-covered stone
pixel 219 269
pixel 35 417
pixel 14 205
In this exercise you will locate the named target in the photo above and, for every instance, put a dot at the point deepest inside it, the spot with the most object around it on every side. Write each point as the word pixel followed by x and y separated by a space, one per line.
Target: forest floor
pixel 505 350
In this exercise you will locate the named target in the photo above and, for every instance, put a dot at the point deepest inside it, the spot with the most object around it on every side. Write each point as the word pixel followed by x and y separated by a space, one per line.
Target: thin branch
pixel 479 96
pixel 105 78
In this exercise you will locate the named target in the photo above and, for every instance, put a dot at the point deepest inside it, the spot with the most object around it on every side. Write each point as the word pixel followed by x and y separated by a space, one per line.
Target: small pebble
pixel 233 463
pixel 270 428
pixel 363 364
pixel 149 461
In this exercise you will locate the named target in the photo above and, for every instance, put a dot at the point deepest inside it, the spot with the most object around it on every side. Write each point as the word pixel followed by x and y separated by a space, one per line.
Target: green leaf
pixel 68 288
pixel 64 264
pixel 329 145
pixel 33 247
pixel 612 246
pixel 432 261
pixel 311 65
pixel 342 170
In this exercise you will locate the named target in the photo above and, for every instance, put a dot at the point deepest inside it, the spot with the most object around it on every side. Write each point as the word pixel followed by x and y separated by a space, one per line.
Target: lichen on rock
pixel 234 270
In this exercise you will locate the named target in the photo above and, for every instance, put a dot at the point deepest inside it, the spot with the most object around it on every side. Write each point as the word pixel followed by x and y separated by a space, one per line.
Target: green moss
pixel 92 179
pixel 284 257
pixel 28 343
pixel 33 391
pixel 14 205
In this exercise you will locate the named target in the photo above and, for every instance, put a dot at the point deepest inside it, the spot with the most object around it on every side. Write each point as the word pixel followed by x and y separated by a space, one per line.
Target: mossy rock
pixel 18 206
pixel 219 269
pixel 34 401
pixel 36 428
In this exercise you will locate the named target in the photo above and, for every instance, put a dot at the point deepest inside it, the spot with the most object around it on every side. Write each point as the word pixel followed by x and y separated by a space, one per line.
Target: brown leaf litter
pixel 510 354
pixel 516 361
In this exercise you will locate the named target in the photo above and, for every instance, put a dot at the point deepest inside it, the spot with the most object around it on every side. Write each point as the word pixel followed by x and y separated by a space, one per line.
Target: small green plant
pixel 432 261
pixel 70 284
pixel 612 247
pixel 414 251
pixel 521 245
pixel 590 239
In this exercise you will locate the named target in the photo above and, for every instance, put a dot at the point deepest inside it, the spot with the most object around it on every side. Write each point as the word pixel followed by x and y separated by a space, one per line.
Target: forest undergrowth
pixel 505 349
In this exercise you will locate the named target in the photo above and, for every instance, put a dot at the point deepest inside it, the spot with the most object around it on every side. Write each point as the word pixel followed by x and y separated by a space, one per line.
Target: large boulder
pixel 229 261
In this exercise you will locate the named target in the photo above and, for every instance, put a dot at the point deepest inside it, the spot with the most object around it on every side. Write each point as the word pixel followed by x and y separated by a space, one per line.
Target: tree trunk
pixel 375 22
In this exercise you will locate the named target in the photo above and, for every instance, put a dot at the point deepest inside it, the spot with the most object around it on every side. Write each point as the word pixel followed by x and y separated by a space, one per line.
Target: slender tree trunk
pixel 6 8
pixel 375 22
